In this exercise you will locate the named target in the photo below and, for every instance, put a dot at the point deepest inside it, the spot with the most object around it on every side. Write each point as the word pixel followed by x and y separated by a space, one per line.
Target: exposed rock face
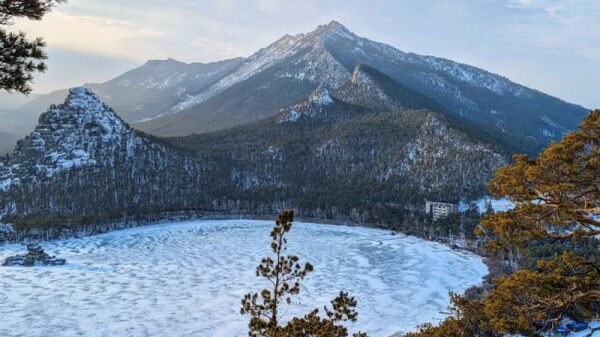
pixel 35 256
pixel 74 134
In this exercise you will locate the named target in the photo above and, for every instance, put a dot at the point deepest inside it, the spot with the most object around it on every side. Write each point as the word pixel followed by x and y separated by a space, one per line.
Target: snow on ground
pixel 187 279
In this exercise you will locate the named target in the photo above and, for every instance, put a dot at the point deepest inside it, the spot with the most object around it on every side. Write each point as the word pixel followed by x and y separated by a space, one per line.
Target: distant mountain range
pixel 141 93
pixel 171 98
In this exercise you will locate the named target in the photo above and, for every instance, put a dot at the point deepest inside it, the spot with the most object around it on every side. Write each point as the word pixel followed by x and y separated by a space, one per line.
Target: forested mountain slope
pixel 373 150
pixel 336 159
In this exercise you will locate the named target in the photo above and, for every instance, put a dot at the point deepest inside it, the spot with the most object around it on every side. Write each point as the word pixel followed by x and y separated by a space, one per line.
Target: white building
pixel 439 210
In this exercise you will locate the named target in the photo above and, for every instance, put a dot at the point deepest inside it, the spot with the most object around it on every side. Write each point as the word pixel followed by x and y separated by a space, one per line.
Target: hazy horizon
pixel 548 45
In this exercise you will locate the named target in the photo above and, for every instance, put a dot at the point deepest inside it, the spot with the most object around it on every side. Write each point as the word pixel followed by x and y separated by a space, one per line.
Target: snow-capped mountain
pixel 289 69
pixel 311 61
pixel 158 85
pixel 171 98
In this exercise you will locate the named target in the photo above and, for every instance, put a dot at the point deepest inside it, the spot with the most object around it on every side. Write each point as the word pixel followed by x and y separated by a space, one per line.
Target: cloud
pixel 91 34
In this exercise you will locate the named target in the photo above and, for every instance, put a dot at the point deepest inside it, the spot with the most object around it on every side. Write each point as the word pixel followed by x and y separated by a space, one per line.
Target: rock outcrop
pixel 35 256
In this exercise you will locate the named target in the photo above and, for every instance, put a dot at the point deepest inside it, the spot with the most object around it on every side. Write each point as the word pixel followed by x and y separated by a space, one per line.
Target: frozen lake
pixel 187 279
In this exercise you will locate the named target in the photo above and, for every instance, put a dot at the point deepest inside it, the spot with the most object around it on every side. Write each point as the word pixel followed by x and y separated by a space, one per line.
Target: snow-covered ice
pixel 187 279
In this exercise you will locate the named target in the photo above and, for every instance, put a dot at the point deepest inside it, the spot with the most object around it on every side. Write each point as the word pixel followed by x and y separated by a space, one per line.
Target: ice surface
pixel 187 279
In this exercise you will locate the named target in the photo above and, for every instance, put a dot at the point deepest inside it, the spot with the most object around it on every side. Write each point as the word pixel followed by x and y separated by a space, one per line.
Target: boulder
pixel 35 256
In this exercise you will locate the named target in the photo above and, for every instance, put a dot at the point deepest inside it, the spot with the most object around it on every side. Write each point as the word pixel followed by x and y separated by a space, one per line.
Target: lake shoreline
pixel 67 230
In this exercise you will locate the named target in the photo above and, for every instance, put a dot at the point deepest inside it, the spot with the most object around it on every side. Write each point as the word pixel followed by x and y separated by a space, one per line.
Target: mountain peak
pixel 336 28
pixel 72 134
pixel 81 91
pixel 82 108
pixel 162 63
pixel 364 75
pixel 331 54
pixel 317 102
pixel 371 88
pixel 335 25
pixel 81 98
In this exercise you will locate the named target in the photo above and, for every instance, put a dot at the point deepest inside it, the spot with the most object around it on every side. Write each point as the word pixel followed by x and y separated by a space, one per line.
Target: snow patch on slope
pixel 475 77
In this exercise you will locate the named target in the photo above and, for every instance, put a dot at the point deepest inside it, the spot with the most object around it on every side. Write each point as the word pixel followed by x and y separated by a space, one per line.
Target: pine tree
pixel 529 302
pixel 20 57
pixel 467 320
pixel 557 200
pixel 284 273
pixel 556 195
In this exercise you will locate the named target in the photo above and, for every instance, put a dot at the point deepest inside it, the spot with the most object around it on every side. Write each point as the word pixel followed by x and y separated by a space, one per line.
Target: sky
pixel 549 45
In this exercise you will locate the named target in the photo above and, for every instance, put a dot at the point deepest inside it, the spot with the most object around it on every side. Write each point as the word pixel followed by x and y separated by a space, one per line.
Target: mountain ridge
pixel 524 117
pixel 243 90
pixel 138 93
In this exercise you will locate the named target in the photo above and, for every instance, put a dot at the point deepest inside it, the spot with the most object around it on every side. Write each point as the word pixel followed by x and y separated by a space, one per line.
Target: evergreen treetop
pixel 20 57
